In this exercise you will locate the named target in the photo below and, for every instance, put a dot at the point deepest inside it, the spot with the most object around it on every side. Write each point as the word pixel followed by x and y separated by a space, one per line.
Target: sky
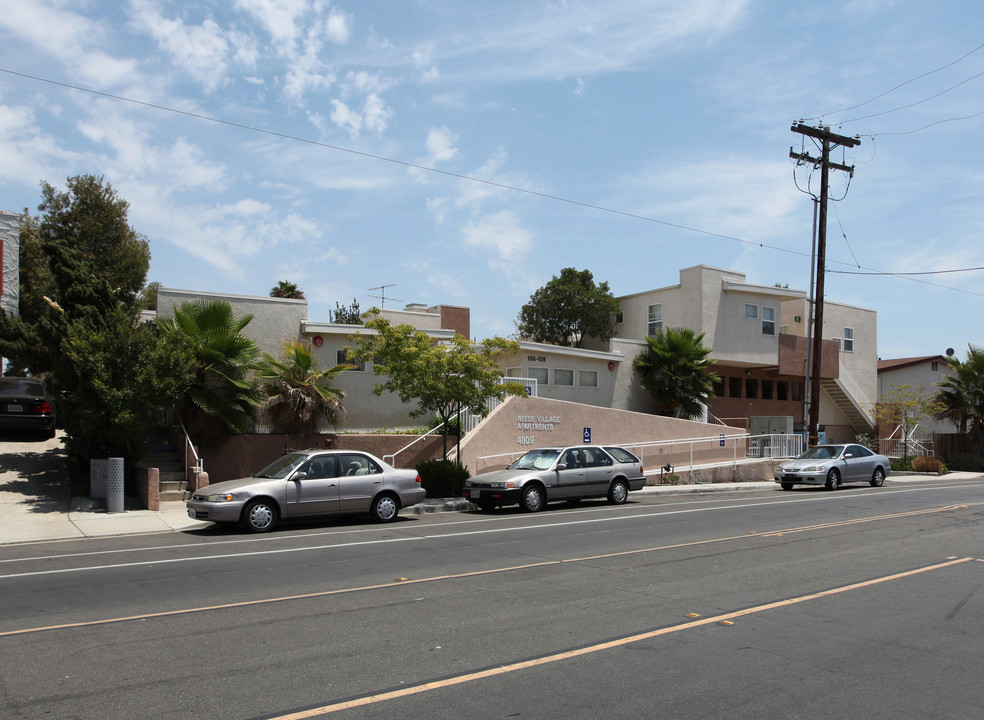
pixel 463 153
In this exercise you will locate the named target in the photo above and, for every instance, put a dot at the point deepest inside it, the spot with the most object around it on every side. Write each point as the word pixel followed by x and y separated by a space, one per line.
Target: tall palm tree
pixel 962 394
pixel 674 370
pixel 300 396
pixel 223 389
pixel 285 289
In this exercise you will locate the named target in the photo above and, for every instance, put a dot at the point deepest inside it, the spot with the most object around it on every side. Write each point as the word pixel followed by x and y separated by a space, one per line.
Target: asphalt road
pixel 860 603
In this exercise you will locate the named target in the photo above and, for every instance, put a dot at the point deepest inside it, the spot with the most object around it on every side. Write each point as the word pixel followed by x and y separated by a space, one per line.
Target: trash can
pixel 114 485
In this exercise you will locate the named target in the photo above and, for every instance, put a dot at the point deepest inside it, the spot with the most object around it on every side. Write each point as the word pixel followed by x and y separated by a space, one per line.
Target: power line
pixel 908 274
pixel 417 166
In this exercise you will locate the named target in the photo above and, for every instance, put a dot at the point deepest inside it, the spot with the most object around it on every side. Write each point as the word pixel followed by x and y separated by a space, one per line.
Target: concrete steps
pixel 170 464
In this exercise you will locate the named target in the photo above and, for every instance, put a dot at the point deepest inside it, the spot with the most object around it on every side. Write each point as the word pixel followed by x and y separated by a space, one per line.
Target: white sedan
pixel 832 465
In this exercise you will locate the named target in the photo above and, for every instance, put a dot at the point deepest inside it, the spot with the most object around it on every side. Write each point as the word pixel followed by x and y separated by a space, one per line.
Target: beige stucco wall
pixel 521 424
pixel 921 374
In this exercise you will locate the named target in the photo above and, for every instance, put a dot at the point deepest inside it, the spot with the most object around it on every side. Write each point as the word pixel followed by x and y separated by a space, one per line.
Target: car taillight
pixel 45 407
pixel 418 478
pixel 641 471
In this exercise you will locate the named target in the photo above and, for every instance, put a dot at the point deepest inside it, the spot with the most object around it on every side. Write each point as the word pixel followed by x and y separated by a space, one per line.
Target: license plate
pixel 475 494
pixel 15 408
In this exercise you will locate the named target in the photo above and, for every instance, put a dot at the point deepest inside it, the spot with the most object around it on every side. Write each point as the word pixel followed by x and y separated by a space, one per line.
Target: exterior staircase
pixel 860 419
pixel 169 461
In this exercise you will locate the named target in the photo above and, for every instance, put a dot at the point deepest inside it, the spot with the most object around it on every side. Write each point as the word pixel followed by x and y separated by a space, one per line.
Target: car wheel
pixel 385 508
pixel 878 479
pixel 618 493
pixel 259 516
pixel 533 498
pixel 833 480
pixel 786 486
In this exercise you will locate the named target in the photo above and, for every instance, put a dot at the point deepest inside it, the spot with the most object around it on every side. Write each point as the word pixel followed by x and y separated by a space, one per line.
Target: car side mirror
pixel 848 456
pixel 301 475
pixel 561 466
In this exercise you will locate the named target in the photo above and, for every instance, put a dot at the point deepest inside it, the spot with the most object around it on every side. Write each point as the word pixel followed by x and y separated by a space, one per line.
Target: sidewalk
pixel 26 518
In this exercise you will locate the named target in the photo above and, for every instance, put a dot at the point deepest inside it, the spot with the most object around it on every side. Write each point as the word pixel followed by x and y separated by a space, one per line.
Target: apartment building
pixel 758 336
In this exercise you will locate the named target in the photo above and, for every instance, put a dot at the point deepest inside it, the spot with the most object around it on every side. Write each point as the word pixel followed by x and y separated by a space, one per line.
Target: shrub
pixel 901 464
pixel 867 440
pixel 967 461
pixel 442 478
pixel 921 463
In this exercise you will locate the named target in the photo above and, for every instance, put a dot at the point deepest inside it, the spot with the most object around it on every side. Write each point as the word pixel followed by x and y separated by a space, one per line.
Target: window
pixel 934 366
pixel 564 378
pixel 719 387
pixel 782 390
pixel 766 389
pixel 752 311
pixel 587 378
pixel 734 387
pixel 848 339
pixel 540 374
pixel 341 358
pixel 619 318
pixel 357 465
pixel 797 391
pixel 768 321
pixel 655 319
pixel 751 387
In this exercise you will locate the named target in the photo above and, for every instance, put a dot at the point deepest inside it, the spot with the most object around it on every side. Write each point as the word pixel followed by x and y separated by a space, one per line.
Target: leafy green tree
pixel 223 390
pixel 286 289
pixel 569 309
pixel 906 406
pixel 147 300
pixel 123 376
pixel 674 369
pixel 300 396
pixel 962 395
pixel 346 315
pixel 441 377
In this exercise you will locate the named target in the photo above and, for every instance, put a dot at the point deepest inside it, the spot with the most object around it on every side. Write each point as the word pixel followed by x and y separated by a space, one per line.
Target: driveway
pixel 34 487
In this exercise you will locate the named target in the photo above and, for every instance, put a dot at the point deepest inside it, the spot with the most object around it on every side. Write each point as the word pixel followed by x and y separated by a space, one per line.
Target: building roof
pixel 885 365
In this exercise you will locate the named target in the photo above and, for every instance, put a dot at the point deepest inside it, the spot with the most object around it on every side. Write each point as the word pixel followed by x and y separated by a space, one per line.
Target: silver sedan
pixel 308 484
pixel 832 465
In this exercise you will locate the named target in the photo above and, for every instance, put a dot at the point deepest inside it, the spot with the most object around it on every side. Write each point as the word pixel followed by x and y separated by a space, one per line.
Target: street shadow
pixel 285 528
pixel 36 474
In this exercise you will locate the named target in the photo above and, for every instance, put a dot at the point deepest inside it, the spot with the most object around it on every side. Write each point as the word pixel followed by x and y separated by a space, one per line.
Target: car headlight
pixel 813 468
pixel 501 485
pixel 221 497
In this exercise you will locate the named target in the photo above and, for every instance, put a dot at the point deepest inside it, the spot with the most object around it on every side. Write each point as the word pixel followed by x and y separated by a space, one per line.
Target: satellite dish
pixel 949 352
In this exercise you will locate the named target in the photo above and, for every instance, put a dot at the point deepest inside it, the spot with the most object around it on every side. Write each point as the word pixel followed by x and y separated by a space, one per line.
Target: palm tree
pixel 300 397
pixel 286 289
pixel 223 389
pixel 962 394
pixel 674 370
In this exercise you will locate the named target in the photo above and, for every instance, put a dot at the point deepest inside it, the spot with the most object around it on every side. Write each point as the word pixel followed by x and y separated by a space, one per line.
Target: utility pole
pixel 828 140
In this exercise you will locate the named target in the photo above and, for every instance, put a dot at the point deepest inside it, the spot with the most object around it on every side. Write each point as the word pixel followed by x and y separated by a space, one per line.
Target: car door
pixel 598 470
pixel 863 463
pixel 359 479
pixel 313 488
pixel 571 481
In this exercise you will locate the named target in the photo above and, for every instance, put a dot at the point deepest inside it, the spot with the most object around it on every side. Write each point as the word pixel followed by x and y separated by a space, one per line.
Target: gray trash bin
pixel 114 485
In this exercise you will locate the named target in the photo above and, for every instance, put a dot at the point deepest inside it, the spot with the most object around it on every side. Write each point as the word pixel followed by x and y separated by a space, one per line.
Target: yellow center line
pixel 459 576
pixel 599 647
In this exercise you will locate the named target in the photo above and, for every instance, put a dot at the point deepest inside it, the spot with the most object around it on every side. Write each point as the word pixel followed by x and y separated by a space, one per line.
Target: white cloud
pixel 338 27
pixel 440 145
pixel 501 235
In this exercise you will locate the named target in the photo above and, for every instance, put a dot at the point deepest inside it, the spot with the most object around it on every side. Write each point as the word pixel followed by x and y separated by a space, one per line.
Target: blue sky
pixel 631 138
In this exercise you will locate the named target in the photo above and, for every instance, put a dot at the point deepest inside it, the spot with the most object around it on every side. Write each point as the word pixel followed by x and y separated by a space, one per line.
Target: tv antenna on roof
pixel 382 296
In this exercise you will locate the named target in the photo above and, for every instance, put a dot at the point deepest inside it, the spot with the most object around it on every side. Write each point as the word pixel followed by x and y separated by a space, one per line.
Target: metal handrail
pixel 189 447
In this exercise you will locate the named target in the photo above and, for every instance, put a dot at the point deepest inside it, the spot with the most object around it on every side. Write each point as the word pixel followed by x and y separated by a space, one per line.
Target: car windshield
pixel 282 466
pixel 535 460
pixel 821 452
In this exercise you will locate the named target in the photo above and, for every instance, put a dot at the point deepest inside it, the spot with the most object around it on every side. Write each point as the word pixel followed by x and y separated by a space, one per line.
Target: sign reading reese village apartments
pixel 532 423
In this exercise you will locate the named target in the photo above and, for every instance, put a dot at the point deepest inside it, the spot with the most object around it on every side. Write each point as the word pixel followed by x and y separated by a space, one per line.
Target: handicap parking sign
pixel 587 435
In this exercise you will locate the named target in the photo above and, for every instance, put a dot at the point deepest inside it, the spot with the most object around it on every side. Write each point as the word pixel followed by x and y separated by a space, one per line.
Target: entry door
pixel 316 493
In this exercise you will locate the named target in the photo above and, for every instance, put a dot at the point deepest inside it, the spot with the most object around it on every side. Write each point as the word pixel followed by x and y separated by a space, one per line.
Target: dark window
pixel 341 358
pixel 782 390
pixel 719 387
pixel 751 387
pixel 734 387
pixel 797 391
pixel 766 389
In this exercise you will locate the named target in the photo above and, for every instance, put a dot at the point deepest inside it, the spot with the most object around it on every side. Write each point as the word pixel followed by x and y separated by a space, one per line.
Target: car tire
pixel 618 493
pixel 833 479
pixel 878 479
pixel 260 516
pixel 533 498
pixel 786 486
pixel 385 508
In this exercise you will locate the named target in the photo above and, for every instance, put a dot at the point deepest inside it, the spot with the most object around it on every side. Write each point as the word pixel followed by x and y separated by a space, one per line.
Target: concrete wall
pixel 274 319
pixel 521 424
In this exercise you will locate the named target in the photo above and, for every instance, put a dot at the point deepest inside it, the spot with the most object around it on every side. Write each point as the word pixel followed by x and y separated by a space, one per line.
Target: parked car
pixel 559 473
pixel 308 484
pixel 26 405
pixel 832 465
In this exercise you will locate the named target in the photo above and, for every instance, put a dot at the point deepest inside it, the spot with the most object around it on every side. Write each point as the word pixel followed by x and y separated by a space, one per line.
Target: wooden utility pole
pixel 828 140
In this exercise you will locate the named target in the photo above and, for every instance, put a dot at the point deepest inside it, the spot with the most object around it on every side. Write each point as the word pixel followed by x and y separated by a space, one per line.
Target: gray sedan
pixel 831 465
pixel 308 484
pixel 559 473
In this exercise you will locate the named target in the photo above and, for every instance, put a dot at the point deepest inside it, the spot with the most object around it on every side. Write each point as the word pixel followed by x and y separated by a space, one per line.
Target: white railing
pixel 895 447
pixel 695 451
pixel 191 458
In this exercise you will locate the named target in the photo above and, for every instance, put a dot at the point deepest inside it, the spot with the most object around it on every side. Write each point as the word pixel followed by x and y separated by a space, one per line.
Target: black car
pixel 26 405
